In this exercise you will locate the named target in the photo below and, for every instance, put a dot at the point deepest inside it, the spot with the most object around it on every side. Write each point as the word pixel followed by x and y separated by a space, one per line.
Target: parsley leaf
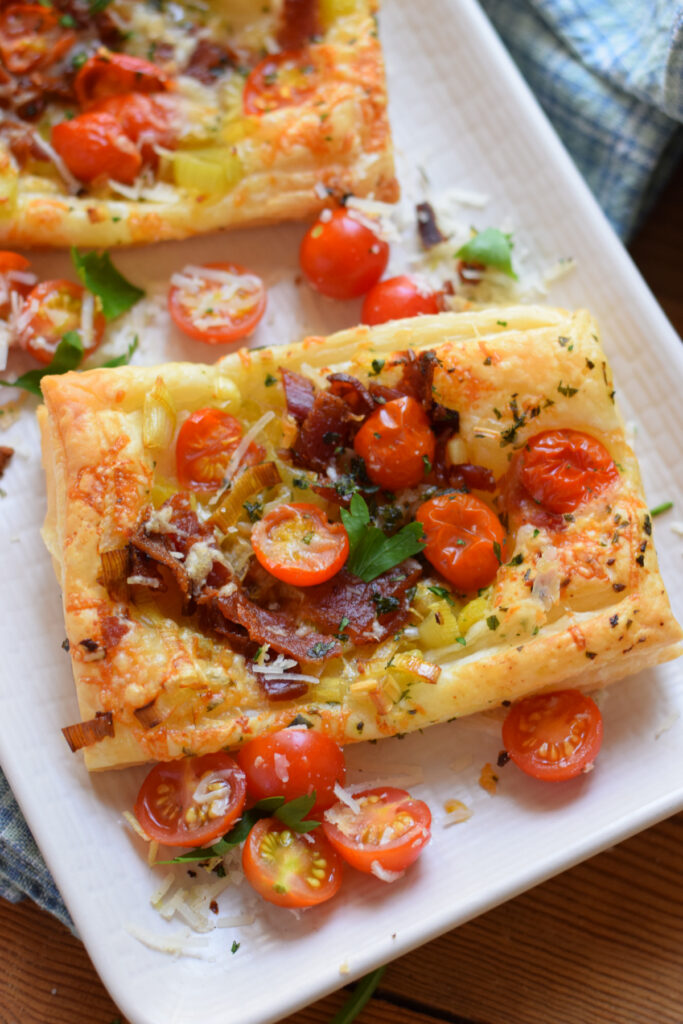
pixel 491 247
pixel 371 552
pixel 100 276
pixel 443 593
pixel 68 355
pixel 292 814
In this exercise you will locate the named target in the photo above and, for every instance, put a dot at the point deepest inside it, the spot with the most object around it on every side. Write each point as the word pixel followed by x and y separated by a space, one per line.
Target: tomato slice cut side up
pixel 341 257
pixel 206 443
pixel 293 763
pixel 288 868
pixel 281 80
pixel 554 736
pixel 193 801
pixel 298 544
pixel 218 303
pixel 52 309
pixel 386 834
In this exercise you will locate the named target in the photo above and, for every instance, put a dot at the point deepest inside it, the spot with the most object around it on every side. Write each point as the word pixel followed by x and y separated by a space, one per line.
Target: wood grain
pixel 601 944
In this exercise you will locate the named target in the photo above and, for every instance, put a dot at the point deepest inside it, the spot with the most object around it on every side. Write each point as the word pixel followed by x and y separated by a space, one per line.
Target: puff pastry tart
pixel 132 122
pixel 367 533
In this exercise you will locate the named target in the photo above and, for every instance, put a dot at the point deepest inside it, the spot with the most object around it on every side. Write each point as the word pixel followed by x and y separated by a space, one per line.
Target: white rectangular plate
pixel 460 110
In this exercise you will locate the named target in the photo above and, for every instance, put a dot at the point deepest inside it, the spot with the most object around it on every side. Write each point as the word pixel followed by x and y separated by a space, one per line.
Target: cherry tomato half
pixel 206 443
pixel 148 121
pixel 12 262
pixel 292 763
pixel 397 444
pixel 461 532
pixel 397 298
pixel 562 469
pixel 289 868
pixel 112 74
pixel 341 257
pixel 52 309
pixel 218 303
pixel 94 145
pixel 31 38
pixel 389 830
pixel 191 802
pixel 553 736
pixel 281 80
pixel 298 544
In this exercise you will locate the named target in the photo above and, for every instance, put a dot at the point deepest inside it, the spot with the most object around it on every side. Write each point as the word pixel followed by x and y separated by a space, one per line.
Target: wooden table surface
pixel 600 944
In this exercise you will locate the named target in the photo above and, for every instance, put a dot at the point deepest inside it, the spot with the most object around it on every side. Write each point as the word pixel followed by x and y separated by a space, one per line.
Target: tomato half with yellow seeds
pixel 289 868
pixel 298 544
pixel 387 832
pixel 206 442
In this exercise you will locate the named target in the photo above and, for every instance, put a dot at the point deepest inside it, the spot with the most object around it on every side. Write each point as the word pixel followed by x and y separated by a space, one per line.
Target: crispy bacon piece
pixel 212 619
pixel 328 426
pixel 299 394
pixel 417 375
pixel 299 24
pixel 6 454
pixel 142 568
pixel 375 610
pixel 352 392
pixel 160 551
pixel 210 60
pixel 474 478
pixel 114 628
pixel 281 688
pixel 428 229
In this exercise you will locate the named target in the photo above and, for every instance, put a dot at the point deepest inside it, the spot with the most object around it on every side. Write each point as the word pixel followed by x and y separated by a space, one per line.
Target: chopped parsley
pixel 427 465
pixel 565 389
pixel 442 593
pixel 377 367
pixel 493 622
pixel 320 649
pixel 300 482
pixel 235 946
pixel 371 552
pixel 254 510
pixel 270 380
pixel 385 605
pixel 340 634
pixel 491 247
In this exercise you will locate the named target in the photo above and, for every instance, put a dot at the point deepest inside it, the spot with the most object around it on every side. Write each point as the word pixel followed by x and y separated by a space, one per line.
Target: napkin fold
pixel 609 75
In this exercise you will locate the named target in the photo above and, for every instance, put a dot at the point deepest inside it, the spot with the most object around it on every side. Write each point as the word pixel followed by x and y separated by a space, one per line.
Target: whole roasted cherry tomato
pixel 289 868
pixel 112 74
pixel 11 264
pixel 31 38
pixel 341 257
pixel 465 539
pixel 397 444
pixel 397 298
pixel 206 442
pixel 562 469
pixel 94 145
pixel 292 763
pixel 281 80
pixel 218 303
pixel 191 802
pixel 298 544
pixel 553 736
pixel 387 833
pixel 148 121
pixel 52 309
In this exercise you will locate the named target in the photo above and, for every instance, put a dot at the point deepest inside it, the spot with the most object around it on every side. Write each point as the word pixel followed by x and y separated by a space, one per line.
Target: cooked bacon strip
pixel 474 478
pixel 143 571
pixel 417 375
pixel 428 229
pixel 6 454
pixel 328 426
pixel 211 619
pixel 299 24
pixel 299 394
pixel 159 550
pixel 281 688
pixel 346 596
pixel 210 60
pixel 352 392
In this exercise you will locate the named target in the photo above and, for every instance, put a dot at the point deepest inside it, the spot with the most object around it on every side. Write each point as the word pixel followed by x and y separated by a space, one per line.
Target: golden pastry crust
pixel 338 138
pixel 583 608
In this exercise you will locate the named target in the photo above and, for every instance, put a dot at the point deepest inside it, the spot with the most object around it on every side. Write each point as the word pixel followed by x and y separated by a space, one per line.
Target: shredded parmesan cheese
pixel 383 874
pixel 242 447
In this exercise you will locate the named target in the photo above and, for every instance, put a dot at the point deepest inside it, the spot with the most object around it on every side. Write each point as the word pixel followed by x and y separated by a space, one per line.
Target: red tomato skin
pixel 562 709
pixel 452 517
pixel 39 325
pixel 94 145
pixel 112 74
pixel 395 855
pixel 264 93
pixel 312 570
pixel 404 450
pixel 182 777
pixel 31 38
pixel 217 336
pixel 341 257
pixel 10 261
pixel 209 434
pixel 396 299
pixel 263 876
pixel 316 762
pixel 563 469
pixel 140 115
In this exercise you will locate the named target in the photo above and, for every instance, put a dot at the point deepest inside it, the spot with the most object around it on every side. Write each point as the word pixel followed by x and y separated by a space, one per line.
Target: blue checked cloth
pixel 609 74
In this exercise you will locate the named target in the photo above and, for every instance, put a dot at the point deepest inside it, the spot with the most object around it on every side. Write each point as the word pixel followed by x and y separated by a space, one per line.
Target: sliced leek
pixel 213 169
pixel 158 417
pixel 472 613
pixel 8 185
pixel 251 481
